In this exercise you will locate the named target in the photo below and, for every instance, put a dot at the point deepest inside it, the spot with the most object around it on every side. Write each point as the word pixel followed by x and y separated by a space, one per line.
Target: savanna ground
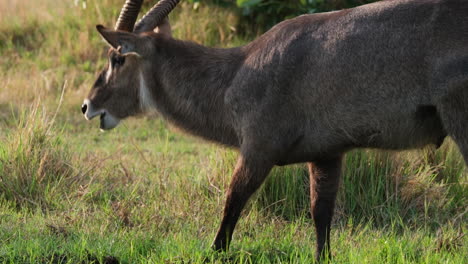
pixel 146 193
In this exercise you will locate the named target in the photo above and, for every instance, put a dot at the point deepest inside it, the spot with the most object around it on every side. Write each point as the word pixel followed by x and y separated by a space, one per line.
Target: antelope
pixel 389 75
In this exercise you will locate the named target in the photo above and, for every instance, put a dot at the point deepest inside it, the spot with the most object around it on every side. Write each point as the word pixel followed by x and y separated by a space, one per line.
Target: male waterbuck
pixel 389 75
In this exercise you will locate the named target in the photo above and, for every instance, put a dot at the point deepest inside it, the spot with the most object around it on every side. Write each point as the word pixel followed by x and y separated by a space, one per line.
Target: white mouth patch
pixel 108 121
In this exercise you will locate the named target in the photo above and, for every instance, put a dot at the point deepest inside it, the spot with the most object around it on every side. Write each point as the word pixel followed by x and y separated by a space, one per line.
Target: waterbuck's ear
pixel 125 42
pixel 164 28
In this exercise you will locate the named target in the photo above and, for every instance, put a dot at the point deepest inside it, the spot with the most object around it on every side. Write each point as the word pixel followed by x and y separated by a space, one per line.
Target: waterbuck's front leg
pixel 249 174
pixel 453 112
pixel 324 182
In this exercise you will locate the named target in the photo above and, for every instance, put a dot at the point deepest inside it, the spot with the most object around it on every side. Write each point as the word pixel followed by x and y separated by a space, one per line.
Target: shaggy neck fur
pixel 188 87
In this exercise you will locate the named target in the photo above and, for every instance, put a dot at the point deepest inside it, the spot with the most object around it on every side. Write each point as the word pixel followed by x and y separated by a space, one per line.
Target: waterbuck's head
pixel 118 92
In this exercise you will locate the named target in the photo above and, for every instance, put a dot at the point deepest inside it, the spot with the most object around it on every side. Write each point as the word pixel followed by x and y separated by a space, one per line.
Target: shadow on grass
pixel 90 259
pixel 57 258
pixel 254 253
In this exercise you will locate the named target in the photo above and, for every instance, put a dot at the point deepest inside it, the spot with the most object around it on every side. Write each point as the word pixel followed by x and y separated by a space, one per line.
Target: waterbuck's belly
pixel 410 130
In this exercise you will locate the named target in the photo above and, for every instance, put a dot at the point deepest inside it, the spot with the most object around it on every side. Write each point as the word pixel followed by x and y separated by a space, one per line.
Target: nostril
pixel 84 107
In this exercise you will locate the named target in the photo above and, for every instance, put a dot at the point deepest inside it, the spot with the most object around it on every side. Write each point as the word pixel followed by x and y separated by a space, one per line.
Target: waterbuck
pixel 388 75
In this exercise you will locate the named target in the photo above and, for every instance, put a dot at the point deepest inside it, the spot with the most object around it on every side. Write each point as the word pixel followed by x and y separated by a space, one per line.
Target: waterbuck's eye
pixel 117 60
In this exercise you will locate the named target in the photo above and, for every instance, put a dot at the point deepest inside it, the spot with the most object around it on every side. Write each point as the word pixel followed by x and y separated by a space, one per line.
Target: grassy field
pixel 146 193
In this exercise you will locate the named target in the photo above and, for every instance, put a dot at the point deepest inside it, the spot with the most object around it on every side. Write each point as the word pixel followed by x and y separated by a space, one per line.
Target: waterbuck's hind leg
pixel 248 176
pixel 324 183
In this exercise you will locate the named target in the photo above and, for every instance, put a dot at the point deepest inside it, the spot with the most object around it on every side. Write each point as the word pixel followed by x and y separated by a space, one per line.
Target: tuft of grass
pixel 35 164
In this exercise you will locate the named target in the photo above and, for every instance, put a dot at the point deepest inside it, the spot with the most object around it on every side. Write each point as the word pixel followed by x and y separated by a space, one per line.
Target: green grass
pixel 145 193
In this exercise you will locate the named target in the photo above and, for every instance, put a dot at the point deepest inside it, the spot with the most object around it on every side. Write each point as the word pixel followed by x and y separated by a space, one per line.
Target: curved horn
pixel 155 16
pixel 128 15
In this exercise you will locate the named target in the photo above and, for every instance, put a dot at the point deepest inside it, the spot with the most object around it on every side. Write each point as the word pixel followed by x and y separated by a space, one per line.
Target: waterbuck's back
pixel 360 77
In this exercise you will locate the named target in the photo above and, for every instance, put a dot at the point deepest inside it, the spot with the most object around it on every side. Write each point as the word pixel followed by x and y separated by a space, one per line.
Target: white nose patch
pixel 107 120
pixel 91 111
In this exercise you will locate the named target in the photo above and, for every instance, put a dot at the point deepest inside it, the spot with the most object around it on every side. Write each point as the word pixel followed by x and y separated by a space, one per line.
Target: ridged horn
pixel 155 16
pixel 128 15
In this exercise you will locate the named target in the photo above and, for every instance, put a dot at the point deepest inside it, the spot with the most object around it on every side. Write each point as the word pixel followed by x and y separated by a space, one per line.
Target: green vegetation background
pixel 146 193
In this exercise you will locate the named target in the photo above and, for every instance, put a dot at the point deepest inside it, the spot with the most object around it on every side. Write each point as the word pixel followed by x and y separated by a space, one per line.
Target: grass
pixel 145 194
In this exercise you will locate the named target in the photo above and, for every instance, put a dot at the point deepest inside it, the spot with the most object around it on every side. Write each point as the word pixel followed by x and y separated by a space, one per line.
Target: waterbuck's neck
pixel 188 84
